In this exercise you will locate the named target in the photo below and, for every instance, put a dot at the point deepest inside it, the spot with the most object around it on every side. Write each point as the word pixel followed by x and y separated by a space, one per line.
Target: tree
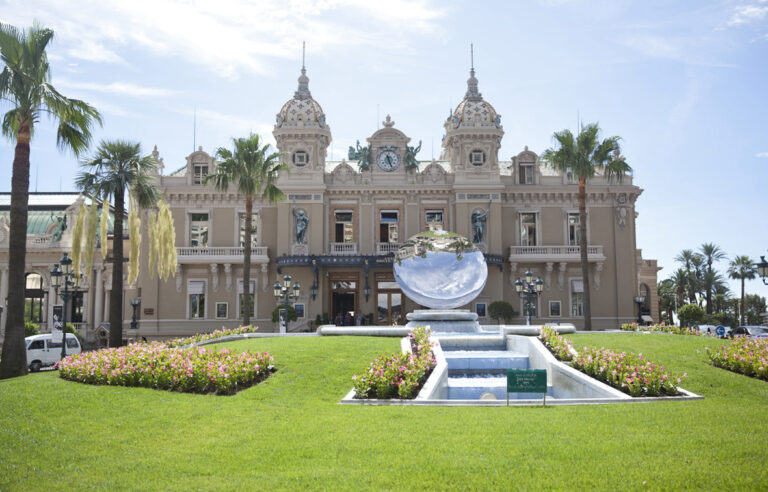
pixel 501 310
pixel 254 171
pixel 742 268
pixel 667 298
pixel 680 278
pixel 690 314
pixel 754 309
pixel 115 167
pixel 24 83
pixel 711 253
pixel 585 156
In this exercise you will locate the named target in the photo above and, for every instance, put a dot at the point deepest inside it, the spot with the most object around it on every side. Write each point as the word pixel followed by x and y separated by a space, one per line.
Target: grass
pixel 289 432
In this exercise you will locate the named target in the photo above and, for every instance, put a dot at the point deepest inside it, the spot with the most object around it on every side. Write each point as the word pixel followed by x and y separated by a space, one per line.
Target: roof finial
pixel 472 93
pixel 302 54
pixel 472 56
pixel 303 91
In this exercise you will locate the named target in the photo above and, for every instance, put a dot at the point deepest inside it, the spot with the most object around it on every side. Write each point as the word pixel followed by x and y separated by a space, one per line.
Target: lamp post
pixel 135 304
pixel 286 293
pixel 531 290
pixel 762 270
pixel 639 300
pixel 70 279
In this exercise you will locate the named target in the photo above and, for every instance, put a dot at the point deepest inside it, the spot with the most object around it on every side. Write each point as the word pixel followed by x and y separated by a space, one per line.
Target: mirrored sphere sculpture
pixel 440 269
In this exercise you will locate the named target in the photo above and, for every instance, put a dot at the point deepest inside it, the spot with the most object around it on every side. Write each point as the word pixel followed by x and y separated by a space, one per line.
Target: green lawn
pixel 289 432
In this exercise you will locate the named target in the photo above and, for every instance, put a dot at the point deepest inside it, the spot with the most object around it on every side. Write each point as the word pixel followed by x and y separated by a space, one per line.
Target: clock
pixel 388 159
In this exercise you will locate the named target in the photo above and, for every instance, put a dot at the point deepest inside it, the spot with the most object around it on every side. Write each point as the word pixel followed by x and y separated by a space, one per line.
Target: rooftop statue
pixel 410 156
pixel 360 154
pixel 61 226
pixel 302 221
pixel 478 224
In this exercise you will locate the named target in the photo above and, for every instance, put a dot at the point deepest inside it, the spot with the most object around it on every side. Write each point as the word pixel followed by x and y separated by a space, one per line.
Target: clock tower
pixel 388 154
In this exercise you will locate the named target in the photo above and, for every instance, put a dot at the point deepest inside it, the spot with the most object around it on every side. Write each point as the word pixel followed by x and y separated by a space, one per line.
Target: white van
pixel 43 351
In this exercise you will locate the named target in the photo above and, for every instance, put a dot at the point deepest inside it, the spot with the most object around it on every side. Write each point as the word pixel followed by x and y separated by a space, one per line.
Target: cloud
pixel 748 14
pixel 120 88
pixel 762 155
pixel 228 37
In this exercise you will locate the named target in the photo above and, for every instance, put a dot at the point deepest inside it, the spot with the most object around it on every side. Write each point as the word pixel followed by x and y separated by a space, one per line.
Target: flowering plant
pixel 662 328
pixel 203 337
pixel 155 365
pixel 743 355
pixel 625 371
pixel 398 375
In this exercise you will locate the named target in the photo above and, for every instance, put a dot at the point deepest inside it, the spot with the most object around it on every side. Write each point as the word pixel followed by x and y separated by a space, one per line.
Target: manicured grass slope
pixel 289 432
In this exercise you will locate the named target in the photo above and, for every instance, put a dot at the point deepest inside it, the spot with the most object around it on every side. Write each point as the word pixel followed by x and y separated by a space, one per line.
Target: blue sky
pixel 684 83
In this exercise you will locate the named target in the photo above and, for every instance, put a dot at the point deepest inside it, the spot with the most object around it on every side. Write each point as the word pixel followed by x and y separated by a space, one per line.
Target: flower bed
pixel 661 328
pixel 743 355
pixel 155 365
pixel 204 337
pixel 398 375
pixel 625 371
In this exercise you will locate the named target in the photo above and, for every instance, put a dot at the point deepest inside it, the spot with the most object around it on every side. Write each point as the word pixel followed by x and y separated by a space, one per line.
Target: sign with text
pixel 527 381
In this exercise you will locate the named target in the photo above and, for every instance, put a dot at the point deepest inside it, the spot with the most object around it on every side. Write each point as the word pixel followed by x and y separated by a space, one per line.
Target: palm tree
pixel 116 166
pixel 667 300
pixel 711 253
pixel 680 279
pixel 253 171
pixel 24 83
pixel 697 278
pixel 742 268
pixel 585 156
pixel 687 258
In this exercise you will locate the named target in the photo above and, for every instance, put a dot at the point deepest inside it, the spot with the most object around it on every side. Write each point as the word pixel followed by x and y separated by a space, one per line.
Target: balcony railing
pixel 229 254
pixel 554 253
pixel 387 248
pixel 343 249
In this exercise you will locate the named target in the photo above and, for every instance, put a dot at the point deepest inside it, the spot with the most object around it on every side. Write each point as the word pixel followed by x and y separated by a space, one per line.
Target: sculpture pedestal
pixel 444 320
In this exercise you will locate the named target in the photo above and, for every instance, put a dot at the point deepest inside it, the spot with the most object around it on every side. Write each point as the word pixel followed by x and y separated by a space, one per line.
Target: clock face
pixel 388 159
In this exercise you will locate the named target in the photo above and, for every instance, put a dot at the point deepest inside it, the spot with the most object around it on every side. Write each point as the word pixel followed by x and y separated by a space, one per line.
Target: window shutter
pixel 577 285
pixel 196 287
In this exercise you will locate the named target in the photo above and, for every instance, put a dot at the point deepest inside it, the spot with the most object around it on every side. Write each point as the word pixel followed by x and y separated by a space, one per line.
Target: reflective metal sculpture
pixel 440 270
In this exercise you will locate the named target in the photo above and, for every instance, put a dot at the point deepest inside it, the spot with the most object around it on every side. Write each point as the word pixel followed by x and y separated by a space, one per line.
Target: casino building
pixel 343 221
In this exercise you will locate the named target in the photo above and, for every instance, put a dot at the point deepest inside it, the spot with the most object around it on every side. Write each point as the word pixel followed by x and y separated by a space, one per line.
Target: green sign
pixel 526 381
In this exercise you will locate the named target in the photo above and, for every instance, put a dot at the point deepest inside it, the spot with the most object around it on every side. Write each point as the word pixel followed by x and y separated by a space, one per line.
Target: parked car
pixel 751 331
pixel 43 351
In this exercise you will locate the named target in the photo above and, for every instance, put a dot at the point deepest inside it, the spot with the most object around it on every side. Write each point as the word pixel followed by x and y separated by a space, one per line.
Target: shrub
pixel 690 314
pixel 625 371
pixel 661 328
pixel 291 314
pixel 629 327
pixel 398 375
pixel 31 329
pixel 70 328
pixel 743 355
pixel 501 310
pixel 155 365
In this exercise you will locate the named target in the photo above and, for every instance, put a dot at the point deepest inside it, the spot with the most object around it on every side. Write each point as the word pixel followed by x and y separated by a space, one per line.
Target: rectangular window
pixel 434 220
pixel 577 298
pixel 554 309
pixel 222 310
pixel 241 298
pixel 299 310
pixel 344 228
pixel 527 229
pixel 200 172
pixel 254 230
pixel 574 232
pixel 198 230
pixel 480 309
pixel 76 306
pixel 388 227
pixel 526 174
pixel 196 293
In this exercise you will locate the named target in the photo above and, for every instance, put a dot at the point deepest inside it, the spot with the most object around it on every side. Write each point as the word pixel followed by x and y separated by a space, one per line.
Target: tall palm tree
pixel 585 156
pixel 666 292
pixel 115 167
pixel 254 171
pixel 24 83
pixel 697 278
pixel 687 258
pixel 711 253
pixel 742 268
pixel 680 279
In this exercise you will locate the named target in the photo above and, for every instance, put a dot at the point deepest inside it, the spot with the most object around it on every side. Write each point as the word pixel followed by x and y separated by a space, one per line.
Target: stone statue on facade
pixel 61 226
pixel 410 156
pixel 478 224
pixel 360 154
pixel 302 221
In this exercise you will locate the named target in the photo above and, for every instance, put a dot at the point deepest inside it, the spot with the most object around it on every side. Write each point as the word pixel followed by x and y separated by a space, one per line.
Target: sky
pixel 683 83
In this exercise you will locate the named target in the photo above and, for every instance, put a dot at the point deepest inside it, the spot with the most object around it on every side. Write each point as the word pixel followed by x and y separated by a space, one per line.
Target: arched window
pixel 646 293
pixel 34 298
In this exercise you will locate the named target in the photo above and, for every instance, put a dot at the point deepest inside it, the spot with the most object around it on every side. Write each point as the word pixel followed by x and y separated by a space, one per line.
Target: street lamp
pixel 531 290
pixel 286 293
pixel 762 270
pixel 70 279
pixel 135 304
pixel 639 300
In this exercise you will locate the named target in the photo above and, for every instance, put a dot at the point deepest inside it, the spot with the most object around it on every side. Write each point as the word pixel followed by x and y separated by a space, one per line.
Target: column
pixel 98 299
pixel 3 295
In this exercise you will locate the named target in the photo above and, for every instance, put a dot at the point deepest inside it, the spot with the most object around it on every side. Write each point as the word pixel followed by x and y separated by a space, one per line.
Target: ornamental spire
pixel 303 91
pixel 472 92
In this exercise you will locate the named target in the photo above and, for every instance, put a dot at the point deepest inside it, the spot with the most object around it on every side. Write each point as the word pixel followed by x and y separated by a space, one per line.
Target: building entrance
pixel 389 300
pixel 344 298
